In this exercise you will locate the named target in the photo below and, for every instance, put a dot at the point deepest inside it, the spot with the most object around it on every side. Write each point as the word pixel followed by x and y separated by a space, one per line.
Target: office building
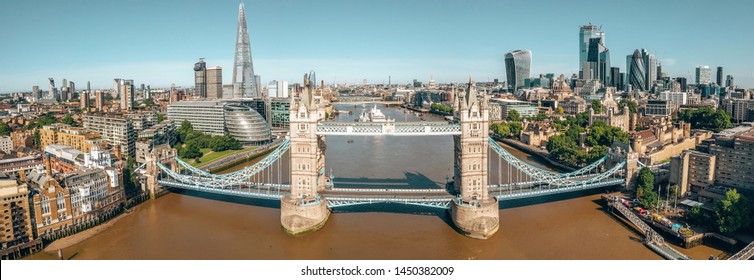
pixel 658 108
pixel 597 65
pixel 729 81
pixel 586 33
pixel 200 78
pixel 215 82
pixel 678 98
pixel 280 112
pixel 650 69
pixel 221 117
pixel 703 75
pixel 614 78
pixel 277 89
pixel 244 81
pixel 53 93
pixel 720 76
pixel 635 71
pixel 524 109
pixel 517 68
pixel 117 129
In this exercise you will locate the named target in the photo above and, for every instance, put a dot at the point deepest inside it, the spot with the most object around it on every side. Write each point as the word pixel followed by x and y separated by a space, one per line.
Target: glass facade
pixel 636 74
pixel 586 33
pixel 517 68
pixel 246 125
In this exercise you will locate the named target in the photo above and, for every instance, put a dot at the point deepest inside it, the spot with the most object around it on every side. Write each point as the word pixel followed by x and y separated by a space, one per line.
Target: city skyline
pixel 403 40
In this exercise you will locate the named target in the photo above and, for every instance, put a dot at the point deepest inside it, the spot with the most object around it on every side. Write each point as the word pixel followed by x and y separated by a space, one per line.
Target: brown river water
pixel 191 225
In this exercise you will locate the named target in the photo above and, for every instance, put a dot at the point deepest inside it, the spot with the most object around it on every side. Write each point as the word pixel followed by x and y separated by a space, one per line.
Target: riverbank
pixel 83 236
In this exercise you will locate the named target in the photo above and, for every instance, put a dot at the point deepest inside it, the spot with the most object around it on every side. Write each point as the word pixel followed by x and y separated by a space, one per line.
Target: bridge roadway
pixel 367 102
pixel 388 128
pixel 435 197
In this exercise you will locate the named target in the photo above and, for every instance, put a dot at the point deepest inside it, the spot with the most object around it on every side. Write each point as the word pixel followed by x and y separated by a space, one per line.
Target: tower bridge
pixel 306 203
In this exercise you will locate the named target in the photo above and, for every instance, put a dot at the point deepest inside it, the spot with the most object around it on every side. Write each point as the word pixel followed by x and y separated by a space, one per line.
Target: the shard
pixel 244 84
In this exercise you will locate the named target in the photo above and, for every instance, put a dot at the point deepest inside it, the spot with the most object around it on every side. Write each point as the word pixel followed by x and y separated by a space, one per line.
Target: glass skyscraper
pixel 636 71
pixel 597 66
pixel 703 75
pixel 586 33
pixel 244 84
pixel 517 68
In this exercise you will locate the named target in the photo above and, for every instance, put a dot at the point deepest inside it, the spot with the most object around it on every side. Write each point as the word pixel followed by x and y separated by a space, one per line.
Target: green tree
pixel 516 128
pixel 501 129
pixel 632 106
pixel 560 110
pixel 191 150
pixel 514 116
pixel 160 118
pixel 222 143
pixel 732 212
pixel 706 118
pixel 540 117
pixel 37 139
pixel 4 129
pixel 696 215
pixel 597 106
pixel 68 120
pixel 184 129
pixel 645 189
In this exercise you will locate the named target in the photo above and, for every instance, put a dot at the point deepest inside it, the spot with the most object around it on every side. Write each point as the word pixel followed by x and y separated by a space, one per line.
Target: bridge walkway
pixel 652 239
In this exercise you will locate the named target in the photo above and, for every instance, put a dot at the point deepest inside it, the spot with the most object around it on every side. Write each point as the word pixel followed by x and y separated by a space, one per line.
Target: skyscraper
pixel 53 91
pixel 126 95
pixel 729 81
pixel 597 65
pixel 720 76
pixel 703 75
pixel 71 90
pixel 214 83
pixel 517 68
pixel 244 84
pixel 200 78
pixel 636 71
pixel 614 77
pixel 586 33
pixel 650 69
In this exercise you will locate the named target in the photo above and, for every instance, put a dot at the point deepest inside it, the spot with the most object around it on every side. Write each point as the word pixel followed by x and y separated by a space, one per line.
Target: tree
pixel 222 143
pixel 37 139
pixel 706 118
pixel 645 189
pixel 4 129
pixel 632 106
pixel 560 110
pixel 646 179
pixel 514 116
pixel 597 106
pixel 516 128
pixel 540 117
pixel 68 120
pixel 732 212
pixel 696 215
pixel 191 151
pixel 501 129
pixel 160 118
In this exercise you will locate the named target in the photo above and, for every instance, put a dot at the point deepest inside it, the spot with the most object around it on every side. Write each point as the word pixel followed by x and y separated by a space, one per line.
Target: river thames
pixel 191 225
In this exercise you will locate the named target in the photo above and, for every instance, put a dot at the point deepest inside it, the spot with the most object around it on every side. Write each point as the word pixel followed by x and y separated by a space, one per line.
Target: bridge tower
pixel 165 156
pixel 619 152
pixel 304 209
pixel 474 211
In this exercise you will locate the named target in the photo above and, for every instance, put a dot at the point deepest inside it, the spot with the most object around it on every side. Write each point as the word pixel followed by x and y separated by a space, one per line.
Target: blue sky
pixel 157 42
